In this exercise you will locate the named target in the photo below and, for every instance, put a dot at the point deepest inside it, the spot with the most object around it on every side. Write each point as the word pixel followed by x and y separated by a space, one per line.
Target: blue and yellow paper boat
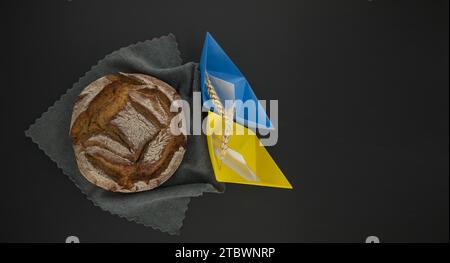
pixel 246 160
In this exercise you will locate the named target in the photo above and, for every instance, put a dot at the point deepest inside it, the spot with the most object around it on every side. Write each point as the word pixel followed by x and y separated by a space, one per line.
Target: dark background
pixel 363 90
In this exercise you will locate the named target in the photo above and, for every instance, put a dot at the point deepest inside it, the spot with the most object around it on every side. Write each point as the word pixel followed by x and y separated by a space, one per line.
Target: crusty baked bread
pixel 121 135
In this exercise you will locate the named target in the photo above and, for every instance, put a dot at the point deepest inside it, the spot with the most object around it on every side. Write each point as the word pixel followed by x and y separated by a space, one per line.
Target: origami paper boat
pixel 244 160
pixel 230 84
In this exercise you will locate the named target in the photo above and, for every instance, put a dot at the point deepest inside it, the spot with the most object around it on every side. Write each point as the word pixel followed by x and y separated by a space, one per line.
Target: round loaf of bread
pixel 121 133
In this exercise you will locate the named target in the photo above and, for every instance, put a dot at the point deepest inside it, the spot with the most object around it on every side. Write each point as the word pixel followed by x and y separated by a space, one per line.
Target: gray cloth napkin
pixel 163 208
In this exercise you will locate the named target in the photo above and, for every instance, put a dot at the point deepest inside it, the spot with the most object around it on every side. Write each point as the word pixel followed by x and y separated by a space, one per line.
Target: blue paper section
pixel 220 68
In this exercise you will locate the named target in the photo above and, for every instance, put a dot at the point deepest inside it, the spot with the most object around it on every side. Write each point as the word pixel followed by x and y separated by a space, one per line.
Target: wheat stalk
pixel 226 131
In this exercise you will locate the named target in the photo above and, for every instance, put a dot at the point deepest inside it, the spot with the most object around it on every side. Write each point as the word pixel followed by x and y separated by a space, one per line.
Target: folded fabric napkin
pixel 162 208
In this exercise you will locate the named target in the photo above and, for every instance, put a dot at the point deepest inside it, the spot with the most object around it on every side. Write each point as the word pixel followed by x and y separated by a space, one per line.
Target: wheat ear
pixel 225 116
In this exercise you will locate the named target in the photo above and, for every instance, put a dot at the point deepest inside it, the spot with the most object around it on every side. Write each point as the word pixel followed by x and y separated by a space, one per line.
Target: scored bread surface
pixel 121 135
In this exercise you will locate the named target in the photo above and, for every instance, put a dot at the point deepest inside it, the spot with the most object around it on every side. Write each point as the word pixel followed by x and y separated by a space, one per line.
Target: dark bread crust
pixel 121 135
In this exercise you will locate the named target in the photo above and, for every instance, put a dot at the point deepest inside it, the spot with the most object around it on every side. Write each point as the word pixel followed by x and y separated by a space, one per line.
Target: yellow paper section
pixel 246 161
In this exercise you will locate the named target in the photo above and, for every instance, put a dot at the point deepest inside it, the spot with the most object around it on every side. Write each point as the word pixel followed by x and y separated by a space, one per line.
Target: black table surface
pixel 363 92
